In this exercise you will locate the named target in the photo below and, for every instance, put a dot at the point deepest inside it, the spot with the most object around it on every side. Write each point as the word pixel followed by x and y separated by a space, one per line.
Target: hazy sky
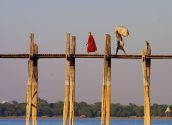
pixel 50 20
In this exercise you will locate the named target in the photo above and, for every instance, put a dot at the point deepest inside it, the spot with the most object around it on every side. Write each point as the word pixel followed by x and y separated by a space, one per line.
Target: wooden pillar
pixel 29 94
pixel 35 86
pixel 146 65
pixel 106 86
pixel 72 81
pixel 103 100
pixel 32 86
pixel 67 81
pixel 108 78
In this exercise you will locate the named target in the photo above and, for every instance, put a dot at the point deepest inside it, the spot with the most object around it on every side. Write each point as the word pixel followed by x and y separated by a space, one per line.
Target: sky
pixel 50 20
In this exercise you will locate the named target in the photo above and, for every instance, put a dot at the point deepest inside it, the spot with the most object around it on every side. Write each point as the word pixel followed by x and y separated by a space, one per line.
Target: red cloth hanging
pixel 91 47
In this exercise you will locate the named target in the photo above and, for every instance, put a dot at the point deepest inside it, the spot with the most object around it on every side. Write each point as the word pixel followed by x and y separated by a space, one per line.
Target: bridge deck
pixel 85 56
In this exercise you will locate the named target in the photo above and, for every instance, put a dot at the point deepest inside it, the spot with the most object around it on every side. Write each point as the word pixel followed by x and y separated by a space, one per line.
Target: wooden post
pixel 106 91
pixel 35 87
pixel 67 81
pixel 29 94
pixel 146 65
pixel 103 100
pixel 29 85
pixel 108 78
pixel 72 81
pixel 32 87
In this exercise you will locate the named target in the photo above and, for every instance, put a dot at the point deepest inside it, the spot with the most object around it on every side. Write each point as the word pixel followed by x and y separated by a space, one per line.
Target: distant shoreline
pixel 117 118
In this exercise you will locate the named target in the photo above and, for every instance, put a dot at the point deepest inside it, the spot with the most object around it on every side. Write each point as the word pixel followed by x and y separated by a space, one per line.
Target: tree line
pixel 82 109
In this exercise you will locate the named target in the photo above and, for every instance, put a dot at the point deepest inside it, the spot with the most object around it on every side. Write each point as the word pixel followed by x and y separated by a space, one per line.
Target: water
pixel 84 122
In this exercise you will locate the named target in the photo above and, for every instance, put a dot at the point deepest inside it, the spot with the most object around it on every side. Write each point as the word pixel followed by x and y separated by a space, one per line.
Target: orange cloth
pixel 91 47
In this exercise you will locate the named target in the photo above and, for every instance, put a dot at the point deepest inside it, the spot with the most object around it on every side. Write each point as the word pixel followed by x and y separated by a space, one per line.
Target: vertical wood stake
pixel 31 97
pixel 106 86
pixel 67 81
pixel 32 86
pixel 29 94
pixel 72 81
pixel 35 87
pixel 146 65
pixel 103 101
pixel 108 78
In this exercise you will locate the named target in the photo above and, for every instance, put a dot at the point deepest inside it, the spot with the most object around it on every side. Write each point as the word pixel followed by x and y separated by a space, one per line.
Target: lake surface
pixel 84 122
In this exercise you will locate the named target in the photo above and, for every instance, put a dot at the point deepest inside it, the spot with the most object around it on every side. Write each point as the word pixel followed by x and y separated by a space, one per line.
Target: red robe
pixel 91 47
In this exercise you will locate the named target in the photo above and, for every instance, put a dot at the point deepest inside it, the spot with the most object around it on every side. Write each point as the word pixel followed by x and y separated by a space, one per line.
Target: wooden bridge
pixel 39 56
pixel 70 56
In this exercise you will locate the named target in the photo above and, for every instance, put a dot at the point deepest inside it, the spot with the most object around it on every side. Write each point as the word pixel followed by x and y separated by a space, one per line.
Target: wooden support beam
pixel 67 81
pixel 32 86
pixel 29 85
pixel 146 65
pixel 103 101
pixel 29 94
pixel 106 86
pixel 72 81
pixel 35 87
pixel 108 77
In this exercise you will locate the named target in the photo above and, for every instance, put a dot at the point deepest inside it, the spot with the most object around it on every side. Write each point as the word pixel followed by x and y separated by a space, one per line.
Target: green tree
pixel 43 108
pixel 56 108
pixel 116 110
pixel 154 110
pixel 85 109
pixel 96 108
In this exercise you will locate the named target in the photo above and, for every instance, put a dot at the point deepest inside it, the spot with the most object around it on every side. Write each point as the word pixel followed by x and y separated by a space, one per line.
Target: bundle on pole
pixel 146 65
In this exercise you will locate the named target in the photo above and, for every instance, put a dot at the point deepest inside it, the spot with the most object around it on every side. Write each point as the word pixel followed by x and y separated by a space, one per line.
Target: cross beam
pixel 84 56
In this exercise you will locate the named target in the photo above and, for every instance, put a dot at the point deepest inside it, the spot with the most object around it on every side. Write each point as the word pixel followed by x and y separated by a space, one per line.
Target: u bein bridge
pixel 70 56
